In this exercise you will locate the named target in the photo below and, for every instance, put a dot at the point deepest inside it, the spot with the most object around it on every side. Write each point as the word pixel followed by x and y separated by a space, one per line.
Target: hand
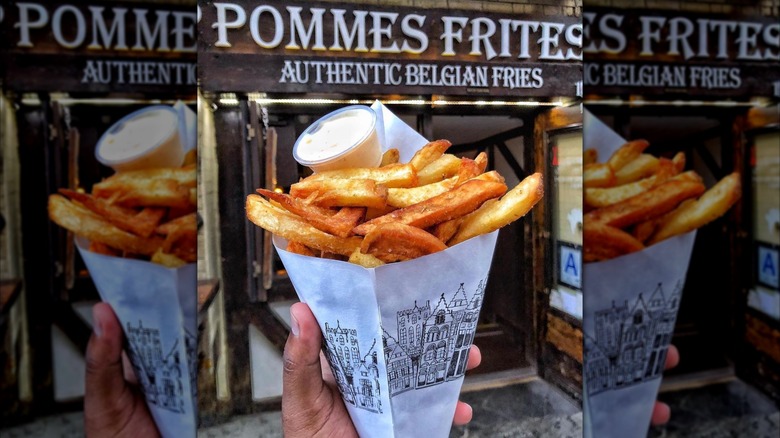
pixel 311 403
pixel 113 406
pixel 661 411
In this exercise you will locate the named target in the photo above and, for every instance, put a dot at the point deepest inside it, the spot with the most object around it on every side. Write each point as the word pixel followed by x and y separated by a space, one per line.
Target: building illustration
pixel 357 376
pixel 160 374
pixel 630 341
pixel 432 345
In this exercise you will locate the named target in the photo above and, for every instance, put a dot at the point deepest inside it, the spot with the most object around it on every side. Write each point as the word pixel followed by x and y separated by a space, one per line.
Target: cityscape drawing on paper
pixel 159 373
pixel 631 340
pixel 431 346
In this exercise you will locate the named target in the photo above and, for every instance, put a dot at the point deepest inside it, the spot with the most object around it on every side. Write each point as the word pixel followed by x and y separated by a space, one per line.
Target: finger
pixel 302 378
pixel 475 358
pixel 661 414
pixel 463 414
pixel 104 380
pixel 106 394
pixel 672 357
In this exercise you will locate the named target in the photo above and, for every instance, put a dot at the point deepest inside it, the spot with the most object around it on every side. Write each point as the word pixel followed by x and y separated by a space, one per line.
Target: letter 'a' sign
pixel 769 266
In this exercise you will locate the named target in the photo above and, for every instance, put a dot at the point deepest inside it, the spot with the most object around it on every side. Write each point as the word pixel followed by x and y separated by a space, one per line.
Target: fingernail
pixel 294 325
pixel 97 326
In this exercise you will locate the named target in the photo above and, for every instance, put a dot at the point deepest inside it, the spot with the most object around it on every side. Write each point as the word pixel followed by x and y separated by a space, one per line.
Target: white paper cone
pixel 630 308
pixel 157 307
pixel 397 336
pixel 629 312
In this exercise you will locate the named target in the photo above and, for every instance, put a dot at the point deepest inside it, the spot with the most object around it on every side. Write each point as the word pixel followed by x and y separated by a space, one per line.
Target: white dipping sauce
pixel 144 139
pixel 137 136
pixel 335 136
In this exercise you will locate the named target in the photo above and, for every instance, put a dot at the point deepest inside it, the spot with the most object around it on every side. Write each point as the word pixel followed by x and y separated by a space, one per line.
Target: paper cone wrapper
pixel 397 336
pixel 157 307
pixel 629 313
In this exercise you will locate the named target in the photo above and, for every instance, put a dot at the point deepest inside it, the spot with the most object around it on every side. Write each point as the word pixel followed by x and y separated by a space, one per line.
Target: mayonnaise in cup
pixel 146 138
pixel 341 139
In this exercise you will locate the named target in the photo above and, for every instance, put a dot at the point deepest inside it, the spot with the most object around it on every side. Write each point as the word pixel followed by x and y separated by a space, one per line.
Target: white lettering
pixel 222 25
pixel 254 26
pixel 25 24
pixel 144 35
pixel 81 26
pixel 298 28
pixel 99 28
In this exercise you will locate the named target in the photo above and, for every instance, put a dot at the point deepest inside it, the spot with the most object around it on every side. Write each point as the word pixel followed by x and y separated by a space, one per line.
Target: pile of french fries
pixel 394 212
pixel 147 214
pixel 634 200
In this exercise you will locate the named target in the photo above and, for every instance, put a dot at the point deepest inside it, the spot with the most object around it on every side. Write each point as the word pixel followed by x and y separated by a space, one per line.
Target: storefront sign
pixel 646 52
pixel 99 47
pixel 298 47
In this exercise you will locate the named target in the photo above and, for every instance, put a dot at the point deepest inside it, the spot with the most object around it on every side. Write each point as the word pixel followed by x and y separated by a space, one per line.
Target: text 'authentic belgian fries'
pixel 634 200
pixel 144 214
pixel 396 212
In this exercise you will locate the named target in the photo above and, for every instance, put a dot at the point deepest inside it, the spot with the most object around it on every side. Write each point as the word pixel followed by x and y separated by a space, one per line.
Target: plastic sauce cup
pixel 146 138
pixel 342 139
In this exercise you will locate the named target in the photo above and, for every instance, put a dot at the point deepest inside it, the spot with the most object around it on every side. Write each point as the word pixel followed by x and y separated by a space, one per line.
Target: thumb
pixel 302 377
pixel 104 380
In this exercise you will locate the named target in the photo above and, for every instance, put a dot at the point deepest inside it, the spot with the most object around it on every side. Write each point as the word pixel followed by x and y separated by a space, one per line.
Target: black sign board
pixel 678 54
pixel 300 47
pixel 99 47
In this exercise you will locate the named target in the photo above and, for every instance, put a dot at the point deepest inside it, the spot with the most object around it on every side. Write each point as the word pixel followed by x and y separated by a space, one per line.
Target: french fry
pixel 494 215
pixel 454 203
pixel 167 260
pixel 299 248
pixel 714 203
pixel 392 175
pixel 602 242
pixel 83 222
pixel 627 153
pixel 429 153
pixel 598 175
pixel 444 167
pixel 364 260
pixel 404 197
pixel 390 156
pixel 590 156
pixel 605 196
pixel 646 205
pixel 291 227
pixel 641 167
pixel 325 219
pixel 396 242
pixel 142 223
pixel 341 192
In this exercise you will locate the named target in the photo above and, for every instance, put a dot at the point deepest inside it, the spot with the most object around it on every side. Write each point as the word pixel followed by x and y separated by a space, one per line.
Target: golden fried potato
pixel 495 215
pixel 396 242
pixel 293 228
pixel 714 203
pixel 82 222
pixel 457 202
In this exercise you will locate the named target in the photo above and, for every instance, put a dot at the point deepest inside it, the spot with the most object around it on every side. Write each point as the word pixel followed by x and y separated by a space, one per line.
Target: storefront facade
pixel 504 83
pixel 69 72
pixel 705 83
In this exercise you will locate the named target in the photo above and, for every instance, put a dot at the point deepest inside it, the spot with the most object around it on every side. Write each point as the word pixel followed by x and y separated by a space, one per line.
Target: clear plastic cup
pixel 146 138
pixel 342 139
